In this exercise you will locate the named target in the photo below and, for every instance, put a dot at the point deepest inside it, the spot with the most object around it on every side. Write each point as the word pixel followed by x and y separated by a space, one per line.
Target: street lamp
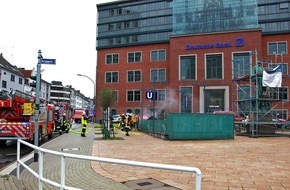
pixel 94 93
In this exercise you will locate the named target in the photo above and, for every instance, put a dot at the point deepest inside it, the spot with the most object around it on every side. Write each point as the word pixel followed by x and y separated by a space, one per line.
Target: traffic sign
pixel 48 61
pixel 151 95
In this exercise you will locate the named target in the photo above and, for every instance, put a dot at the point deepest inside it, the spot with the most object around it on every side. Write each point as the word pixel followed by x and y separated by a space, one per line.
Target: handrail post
pixel 198 181
pixel 62 172
pixel 40 170
pixel 18 159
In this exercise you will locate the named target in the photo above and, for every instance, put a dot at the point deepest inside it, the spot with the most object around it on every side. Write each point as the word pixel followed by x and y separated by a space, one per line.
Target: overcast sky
pixel 64 30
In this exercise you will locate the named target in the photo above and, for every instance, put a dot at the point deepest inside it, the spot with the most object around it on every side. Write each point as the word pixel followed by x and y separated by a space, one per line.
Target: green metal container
pixel 200 126
pixel 183 126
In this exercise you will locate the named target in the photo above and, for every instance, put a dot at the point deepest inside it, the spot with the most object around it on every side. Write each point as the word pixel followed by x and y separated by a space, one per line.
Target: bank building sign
pixel 239 42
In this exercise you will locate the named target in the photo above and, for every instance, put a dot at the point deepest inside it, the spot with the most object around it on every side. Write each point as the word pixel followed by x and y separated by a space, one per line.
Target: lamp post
pixel 94 93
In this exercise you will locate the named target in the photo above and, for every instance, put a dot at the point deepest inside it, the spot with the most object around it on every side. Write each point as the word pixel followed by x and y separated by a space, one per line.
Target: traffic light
pixel 33 76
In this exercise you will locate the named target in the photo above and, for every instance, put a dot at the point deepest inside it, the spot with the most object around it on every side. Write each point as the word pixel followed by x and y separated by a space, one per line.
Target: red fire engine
pixel 17 120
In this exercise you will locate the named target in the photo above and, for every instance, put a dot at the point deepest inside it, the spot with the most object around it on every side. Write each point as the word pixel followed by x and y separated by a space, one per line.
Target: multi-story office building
pixel 61 94
pixel 182 55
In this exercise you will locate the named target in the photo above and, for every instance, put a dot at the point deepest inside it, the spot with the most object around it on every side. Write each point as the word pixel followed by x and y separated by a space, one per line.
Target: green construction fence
pixel 183 126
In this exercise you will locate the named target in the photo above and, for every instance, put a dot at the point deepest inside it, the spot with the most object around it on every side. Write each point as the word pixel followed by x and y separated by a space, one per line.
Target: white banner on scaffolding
pixel 273 78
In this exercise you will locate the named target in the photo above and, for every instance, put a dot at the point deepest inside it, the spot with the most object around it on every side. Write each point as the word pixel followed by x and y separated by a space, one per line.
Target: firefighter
pixel 133 122
pixel 128 124
pixel 84 123
pixel 65 124
pixel 122 120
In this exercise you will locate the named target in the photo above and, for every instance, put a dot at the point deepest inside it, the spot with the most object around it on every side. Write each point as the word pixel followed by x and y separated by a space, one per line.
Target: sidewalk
pixel 242 163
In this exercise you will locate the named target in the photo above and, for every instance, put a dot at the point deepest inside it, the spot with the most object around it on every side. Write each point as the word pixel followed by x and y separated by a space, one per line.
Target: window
pixel 279 93
pixel 157 75
pixel 119 25
pixel 284 5
pixel 284 67
pixel 112 58
pixel 186 100
pixel 134 76
pixel 279 114
pixel 241 64
pixel 12 78
pixel 4 84
pixel 137 111
pixel 20 81
pixel 214 100
pixel 135 24
pixel 111 27
pixel 127 39
pixel 111 41
pixel 119 40
pixel 120 11
pixel 112 12
pixel 214 66
pixel 277 48
pixel 133 95
pixel 134 57
pixel 158 55
pixel 244 92
pixel 187 67
pixel 111 77
pixel 127 24
pixel 161 94
pixel 134 38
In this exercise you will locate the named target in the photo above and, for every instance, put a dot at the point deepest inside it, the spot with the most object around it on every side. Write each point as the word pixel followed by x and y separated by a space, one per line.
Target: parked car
pixel 115 118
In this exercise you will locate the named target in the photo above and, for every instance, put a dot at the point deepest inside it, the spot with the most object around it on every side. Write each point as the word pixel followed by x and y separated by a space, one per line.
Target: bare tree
pixel 107 98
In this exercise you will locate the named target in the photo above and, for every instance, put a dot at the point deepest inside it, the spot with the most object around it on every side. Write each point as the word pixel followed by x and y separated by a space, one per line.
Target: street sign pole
pixel 36 124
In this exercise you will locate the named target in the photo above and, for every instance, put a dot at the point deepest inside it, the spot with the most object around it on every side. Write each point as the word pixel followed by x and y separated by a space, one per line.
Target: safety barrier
pixel 62 185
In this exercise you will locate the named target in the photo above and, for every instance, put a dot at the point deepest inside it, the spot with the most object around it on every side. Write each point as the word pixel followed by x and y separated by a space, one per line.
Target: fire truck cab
pixel 17 120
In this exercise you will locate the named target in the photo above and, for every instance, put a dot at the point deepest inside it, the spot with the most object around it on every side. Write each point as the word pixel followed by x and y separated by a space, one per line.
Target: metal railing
pixel 62 185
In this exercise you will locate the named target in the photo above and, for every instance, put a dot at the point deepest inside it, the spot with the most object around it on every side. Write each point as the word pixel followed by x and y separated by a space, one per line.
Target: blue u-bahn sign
pixel 151 95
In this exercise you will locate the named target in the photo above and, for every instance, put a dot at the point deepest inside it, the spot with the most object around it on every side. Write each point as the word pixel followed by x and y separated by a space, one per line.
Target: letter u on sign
pixel 149 95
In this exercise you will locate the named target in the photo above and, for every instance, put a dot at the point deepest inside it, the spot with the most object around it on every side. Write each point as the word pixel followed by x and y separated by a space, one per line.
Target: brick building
pixel 181 56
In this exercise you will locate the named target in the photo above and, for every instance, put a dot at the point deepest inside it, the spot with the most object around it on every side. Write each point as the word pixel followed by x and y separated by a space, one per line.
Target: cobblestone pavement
pixel 242 163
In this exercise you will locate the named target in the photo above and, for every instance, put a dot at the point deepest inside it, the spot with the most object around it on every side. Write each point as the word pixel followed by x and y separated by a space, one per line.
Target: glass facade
pixel 125 23
pixel 204 16
pixel 274 16
pixel 134 22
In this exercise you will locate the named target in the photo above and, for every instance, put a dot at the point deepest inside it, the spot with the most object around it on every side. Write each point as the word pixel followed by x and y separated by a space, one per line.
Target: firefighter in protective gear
pixel 84 123
pixel 65 124
pixel 128 124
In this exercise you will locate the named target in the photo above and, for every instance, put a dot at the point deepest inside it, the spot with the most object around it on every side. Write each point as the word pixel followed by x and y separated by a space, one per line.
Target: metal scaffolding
pixel 259 110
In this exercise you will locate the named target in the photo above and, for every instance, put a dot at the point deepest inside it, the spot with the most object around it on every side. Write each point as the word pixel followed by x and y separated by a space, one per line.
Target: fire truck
pixel 17 120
